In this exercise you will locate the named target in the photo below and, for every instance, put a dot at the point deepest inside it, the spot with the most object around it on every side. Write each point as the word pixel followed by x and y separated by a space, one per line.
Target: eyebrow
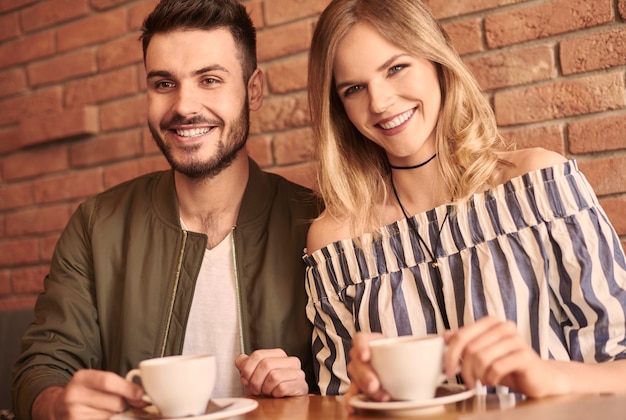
pixel 380 68
pixel 165 73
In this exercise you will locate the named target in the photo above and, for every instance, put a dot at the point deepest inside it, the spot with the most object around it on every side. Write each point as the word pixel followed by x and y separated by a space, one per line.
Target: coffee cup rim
pixel 404 339
pixel 180 357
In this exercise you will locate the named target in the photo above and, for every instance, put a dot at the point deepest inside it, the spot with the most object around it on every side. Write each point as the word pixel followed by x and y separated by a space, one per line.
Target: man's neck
pixel 211 206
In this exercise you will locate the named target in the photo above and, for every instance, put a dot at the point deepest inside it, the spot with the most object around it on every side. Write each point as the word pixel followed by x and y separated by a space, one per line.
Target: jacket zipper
pixel 237 292
pixel 173 295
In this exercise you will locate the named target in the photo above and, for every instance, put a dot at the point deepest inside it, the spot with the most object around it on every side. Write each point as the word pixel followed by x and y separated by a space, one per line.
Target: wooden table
pixel 482 407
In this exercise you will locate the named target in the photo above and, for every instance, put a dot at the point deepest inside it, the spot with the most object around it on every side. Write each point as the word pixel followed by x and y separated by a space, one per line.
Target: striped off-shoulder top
pixel 537 250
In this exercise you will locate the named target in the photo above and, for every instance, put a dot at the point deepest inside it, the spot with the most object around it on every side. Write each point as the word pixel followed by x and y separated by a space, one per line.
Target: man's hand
pixel 271 372
pixel 90 394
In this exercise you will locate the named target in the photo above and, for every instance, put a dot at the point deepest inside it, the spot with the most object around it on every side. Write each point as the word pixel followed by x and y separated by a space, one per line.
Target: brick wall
pixel 72 101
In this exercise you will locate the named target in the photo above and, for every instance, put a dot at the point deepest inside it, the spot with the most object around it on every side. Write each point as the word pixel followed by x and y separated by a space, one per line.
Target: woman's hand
pixel 493 352
pixel 363 379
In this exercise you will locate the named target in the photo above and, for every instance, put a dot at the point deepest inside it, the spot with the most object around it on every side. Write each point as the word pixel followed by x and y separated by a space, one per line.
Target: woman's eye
pixel 351 90
pixel 396 68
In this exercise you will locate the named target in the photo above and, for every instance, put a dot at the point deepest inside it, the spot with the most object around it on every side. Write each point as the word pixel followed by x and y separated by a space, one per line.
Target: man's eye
pixel 210 81
pixel 164 84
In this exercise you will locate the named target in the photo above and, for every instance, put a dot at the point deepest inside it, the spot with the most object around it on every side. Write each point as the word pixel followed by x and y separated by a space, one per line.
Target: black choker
pixel 419 165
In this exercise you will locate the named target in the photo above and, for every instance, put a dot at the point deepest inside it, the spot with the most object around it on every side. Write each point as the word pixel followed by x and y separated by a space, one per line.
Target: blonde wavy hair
pixel 354 172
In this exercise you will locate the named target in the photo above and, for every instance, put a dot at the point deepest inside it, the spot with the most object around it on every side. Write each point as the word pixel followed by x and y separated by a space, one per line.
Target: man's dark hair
pixel 171 15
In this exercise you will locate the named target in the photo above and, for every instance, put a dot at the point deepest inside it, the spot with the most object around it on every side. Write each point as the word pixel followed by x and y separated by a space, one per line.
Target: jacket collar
pixel 256 202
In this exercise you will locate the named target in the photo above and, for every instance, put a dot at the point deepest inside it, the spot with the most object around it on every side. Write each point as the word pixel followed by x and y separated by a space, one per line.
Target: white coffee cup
pixel 178 385
pixel 409 367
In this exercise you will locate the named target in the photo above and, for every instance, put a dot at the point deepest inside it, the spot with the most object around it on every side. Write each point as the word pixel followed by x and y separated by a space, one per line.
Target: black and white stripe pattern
pixel 537 250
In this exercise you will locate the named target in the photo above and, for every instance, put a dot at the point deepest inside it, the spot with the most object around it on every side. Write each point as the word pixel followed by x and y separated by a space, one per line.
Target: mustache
pixel 198 119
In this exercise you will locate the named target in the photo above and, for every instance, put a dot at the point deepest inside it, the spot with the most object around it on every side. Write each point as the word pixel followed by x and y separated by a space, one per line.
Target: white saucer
pixel 449 393
pixel 237 406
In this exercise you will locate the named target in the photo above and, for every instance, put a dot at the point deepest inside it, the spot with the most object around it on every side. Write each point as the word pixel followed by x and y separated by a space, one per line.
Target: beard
pixel 192 166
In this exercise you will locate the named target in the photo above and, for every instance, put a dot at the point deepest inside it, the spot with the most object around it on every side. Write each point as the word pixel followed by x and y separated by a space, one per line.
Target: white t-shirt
pixel 213 325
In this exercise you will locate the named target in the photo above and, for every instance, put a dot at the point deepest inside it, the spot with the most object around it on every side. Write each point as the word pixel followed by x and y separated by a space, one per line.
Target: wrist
pixel 45 403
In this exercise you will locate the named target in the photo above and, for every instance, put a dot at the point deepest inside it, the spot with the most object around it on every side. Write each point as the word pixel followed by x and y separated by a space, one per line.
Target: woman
pixel 434 225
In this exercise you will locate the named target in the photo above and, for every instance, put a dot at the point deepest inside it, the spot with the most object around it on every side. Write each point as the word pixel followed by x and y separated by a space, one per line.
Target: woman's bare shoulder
pixel 527 160
pixel 325 230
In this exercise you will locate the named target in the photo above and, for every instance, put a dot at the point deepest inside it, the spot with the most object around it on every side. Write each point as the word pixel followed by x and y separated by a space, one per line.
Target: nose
pixel 380 96
pixel 187 101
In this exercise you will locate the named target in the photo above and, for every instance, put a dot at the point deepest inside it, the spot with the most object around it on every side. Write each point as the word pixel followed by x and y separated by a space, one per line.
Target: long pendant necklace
pixel 433 265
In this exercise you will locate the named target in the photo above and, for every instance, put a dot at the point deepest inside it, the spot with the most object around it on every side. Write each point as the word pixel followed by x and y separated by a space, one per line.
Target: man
pixel 203 258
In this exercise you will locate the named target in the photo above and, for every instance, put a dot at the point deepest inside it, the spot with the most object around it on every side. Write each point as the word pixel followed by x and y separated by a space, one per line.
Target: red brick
pixel 277 12
pixel 614 208
pixel 288 75
pixel 107 4
pixel 101 87
pixel 51 12
pixel 545 19
pixel 29 279
pixel 284 40
pixel 9 139
pixel 561 99
pixel 450 8
pixel 2 226
pixel 622 9
pixel 71 186
pixel 9 26
pixel 294 146
pixel 5 284
pixel 281 113
pixel 116 174
pixel 511 68
pixel 12 81
pixel 606 175
pixel 594 51
pixel 130 112
pixel 255 10
pixel 18 251
pixel 120 52
pixel 260 149
pixel 139 12
pixel 37 102
pixel 26 49
pixel 466 35
pixel 549 137
pixel 32 163
pixel 17 302
pixel 39 220
pixel 92 30
pixel 68 66
pixel 106 148
pixel 69 123
pixel 16 195
pixel 148 144
pixel 598 134
pixel 6 5
pixel 303 174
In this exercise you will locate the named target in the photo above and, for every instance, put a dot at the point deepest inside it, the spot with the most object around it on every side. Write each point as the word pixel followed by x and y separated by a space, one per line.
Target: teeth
pixel 193 132
pixel 398 120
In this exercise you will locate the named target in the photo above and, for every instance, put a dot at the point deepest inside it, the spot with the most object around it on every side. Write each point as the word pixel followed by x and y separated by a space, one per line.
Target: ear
pixel 256 85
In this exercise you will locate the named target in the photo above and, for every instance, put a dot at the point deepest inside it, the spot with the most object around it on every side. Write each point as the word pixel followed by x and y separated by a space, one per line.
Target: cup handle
pixel 136 373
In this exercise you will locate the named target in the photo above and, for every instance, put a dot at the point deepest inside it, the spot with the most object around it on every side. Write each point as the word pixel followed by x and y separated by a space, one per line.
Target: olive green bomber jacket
pixel 123 275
